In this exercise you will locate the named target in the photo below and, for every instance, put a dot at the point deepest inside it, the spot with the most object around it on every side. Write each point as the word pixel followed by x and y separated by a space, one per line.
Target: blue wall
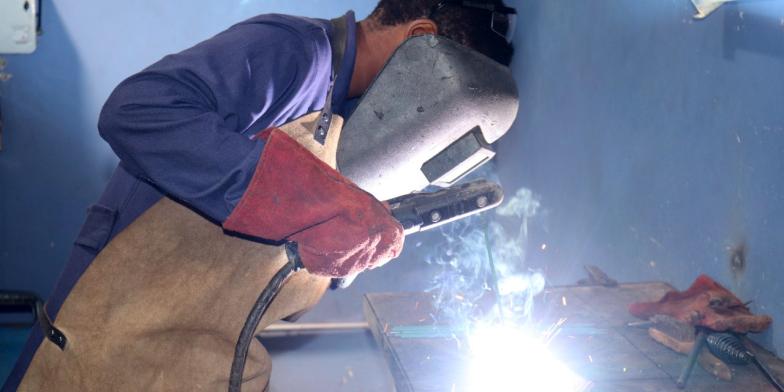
pixel 655 142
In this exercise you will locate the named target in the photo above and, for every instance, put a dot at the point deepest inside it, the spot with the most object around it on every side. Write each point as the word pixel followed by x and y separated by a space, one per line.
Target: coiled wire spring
pixel 729 348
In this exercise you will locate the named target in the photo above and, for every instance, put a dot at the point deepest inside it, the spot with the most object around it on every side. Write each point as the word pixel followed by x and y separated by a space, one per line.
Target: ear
pixel 421 27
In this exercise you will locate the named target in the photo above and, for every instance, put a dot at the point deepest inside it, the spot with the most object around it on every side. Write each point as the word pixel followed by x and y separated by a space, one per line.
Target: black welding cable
pixel 254 317
pixel 768 374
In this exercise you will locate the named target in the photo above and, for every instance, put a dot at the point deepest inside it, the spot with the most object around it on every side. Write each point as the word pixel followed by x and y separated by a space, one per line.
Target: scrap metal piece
pixel 674 327
pixel 640 324
pixel 706 7
pixel 597 277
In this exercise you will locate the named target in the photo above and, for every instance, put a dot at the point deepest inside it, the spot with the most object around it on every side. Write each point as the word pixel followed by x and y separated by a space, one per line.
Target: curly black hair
pixel 469 26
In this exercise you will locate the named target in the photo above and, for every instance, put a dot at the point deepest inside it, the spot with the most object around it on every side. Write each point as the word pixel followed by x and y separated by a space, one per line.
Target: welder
pixel 188 132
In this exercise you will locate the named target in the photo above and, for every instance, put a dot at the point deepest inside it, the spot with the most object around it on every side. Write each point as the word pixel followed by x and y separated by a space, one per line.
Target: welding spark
pixel 480 256
pixel 551 332
pixel 510 358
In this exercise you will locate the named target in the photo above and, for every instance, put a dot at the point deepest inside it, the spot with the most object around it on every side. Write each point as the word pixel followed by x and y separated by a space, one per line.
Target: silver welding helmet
pixel 427 119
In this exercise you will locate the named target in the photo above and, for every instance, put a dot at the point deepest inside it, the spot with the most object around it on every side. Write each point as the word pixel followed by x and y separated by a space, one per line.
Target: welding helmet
pixel 428 118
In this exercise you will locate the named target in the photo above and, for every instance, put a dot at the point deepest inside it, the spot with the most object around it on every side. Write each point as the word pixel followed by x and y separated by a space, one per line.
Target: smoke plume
pixel 483 265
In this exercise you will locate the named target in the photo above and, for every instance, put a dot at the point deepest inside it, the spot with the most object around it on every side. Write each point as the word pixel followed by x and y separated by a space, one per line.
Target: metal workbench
pixel 600 347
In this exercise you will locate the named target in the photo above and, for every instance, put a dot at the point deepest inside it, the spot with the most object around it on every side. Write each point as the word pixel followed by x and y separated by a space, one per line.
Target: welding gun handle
pixel 427 210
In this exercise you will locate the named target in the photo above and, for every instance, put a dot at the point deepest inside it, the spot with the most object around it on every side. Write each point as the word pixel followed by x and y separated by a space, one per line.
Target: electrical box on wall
pixel 18 26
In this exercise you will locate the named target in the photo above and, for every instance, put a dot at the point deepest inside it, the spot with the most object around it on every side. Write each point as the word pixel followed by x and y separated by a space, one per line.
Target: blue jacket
pixel 183 127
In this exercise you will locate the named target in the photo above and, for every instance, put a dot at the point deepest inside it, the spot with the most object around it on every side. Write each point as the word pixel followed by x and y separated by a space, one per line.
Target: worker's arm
pixel 341 229
pixel 182 123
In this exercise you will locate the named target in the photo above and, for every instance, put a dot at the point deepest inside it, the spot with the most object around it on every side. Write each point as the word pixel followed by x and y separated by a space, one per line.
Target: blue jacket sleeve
pixel 184 123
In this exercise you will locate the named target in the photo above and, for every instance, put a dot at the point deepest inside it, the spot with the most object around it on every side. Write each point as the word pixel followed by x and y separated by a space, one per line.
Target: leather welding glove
pixel 340 229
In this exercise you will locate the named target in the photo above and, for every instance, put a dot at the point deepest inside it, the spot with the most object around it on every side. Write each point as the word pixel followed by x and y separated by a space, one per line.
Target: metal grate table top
pixel 595 343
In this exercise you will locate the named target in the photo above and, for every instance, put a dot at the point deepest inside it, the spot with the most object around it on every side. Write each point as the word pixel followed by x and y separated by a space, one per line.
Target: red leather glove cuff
pixel 340 229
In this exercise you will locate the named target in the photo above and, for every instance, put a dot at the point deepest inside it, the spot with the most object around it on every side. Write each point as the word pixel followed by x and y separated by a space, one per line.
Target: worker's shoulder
pixel 296 27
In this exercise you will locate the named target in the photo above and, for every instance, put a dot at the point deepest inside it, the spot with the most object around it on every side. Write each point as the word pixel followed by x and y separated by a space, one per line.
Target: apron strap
pixel 15 301
pixel 337 40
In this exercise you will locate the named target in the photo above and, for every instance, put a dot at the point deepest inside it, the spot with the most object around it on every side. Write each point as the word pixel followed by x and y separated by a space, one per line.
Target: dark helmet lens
pixel 504 25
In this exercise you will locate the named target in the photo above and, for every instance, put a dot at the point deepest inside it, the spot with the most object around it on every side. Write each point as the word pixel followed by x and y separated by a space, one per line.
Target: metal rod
pixel 296 329
pixel 699 342
pixel 493 272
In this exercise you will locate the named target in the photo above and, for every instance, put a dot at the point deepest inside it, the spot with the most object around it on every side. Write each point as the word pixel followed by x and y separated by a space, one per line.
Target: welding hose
pixel 415 212
pixel 247 334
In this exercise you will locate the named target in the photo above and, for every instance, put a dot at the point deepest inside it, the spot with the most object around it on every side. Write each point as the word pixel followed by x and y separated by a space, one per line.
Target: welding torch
pixel 427 210
pixel 416 212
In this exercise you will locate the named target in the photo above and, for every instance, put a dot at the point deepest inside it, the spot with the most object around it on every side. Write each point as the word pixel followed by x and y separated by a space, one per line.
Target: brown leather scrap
pixel 706 304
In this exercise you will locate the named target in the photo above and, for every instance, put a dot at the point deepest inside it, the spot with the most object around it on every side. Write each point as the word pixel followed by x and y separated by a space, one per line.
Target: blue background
pixel 655 143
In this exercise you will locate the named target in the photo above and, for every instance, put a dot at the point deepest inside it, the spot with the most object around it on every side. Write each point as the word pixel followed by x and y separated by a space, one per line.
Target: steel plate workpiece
pixel 594 342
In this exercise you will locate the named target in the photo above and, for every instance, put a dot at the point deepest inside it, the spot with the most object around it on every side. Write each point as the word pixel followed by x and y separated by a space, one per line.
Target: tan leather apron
pixel 162 305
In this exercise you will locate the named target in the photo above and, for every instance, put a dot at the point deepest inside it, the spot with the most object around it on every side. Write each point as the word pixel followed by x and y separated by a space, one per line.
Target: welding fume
pixel 261 166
